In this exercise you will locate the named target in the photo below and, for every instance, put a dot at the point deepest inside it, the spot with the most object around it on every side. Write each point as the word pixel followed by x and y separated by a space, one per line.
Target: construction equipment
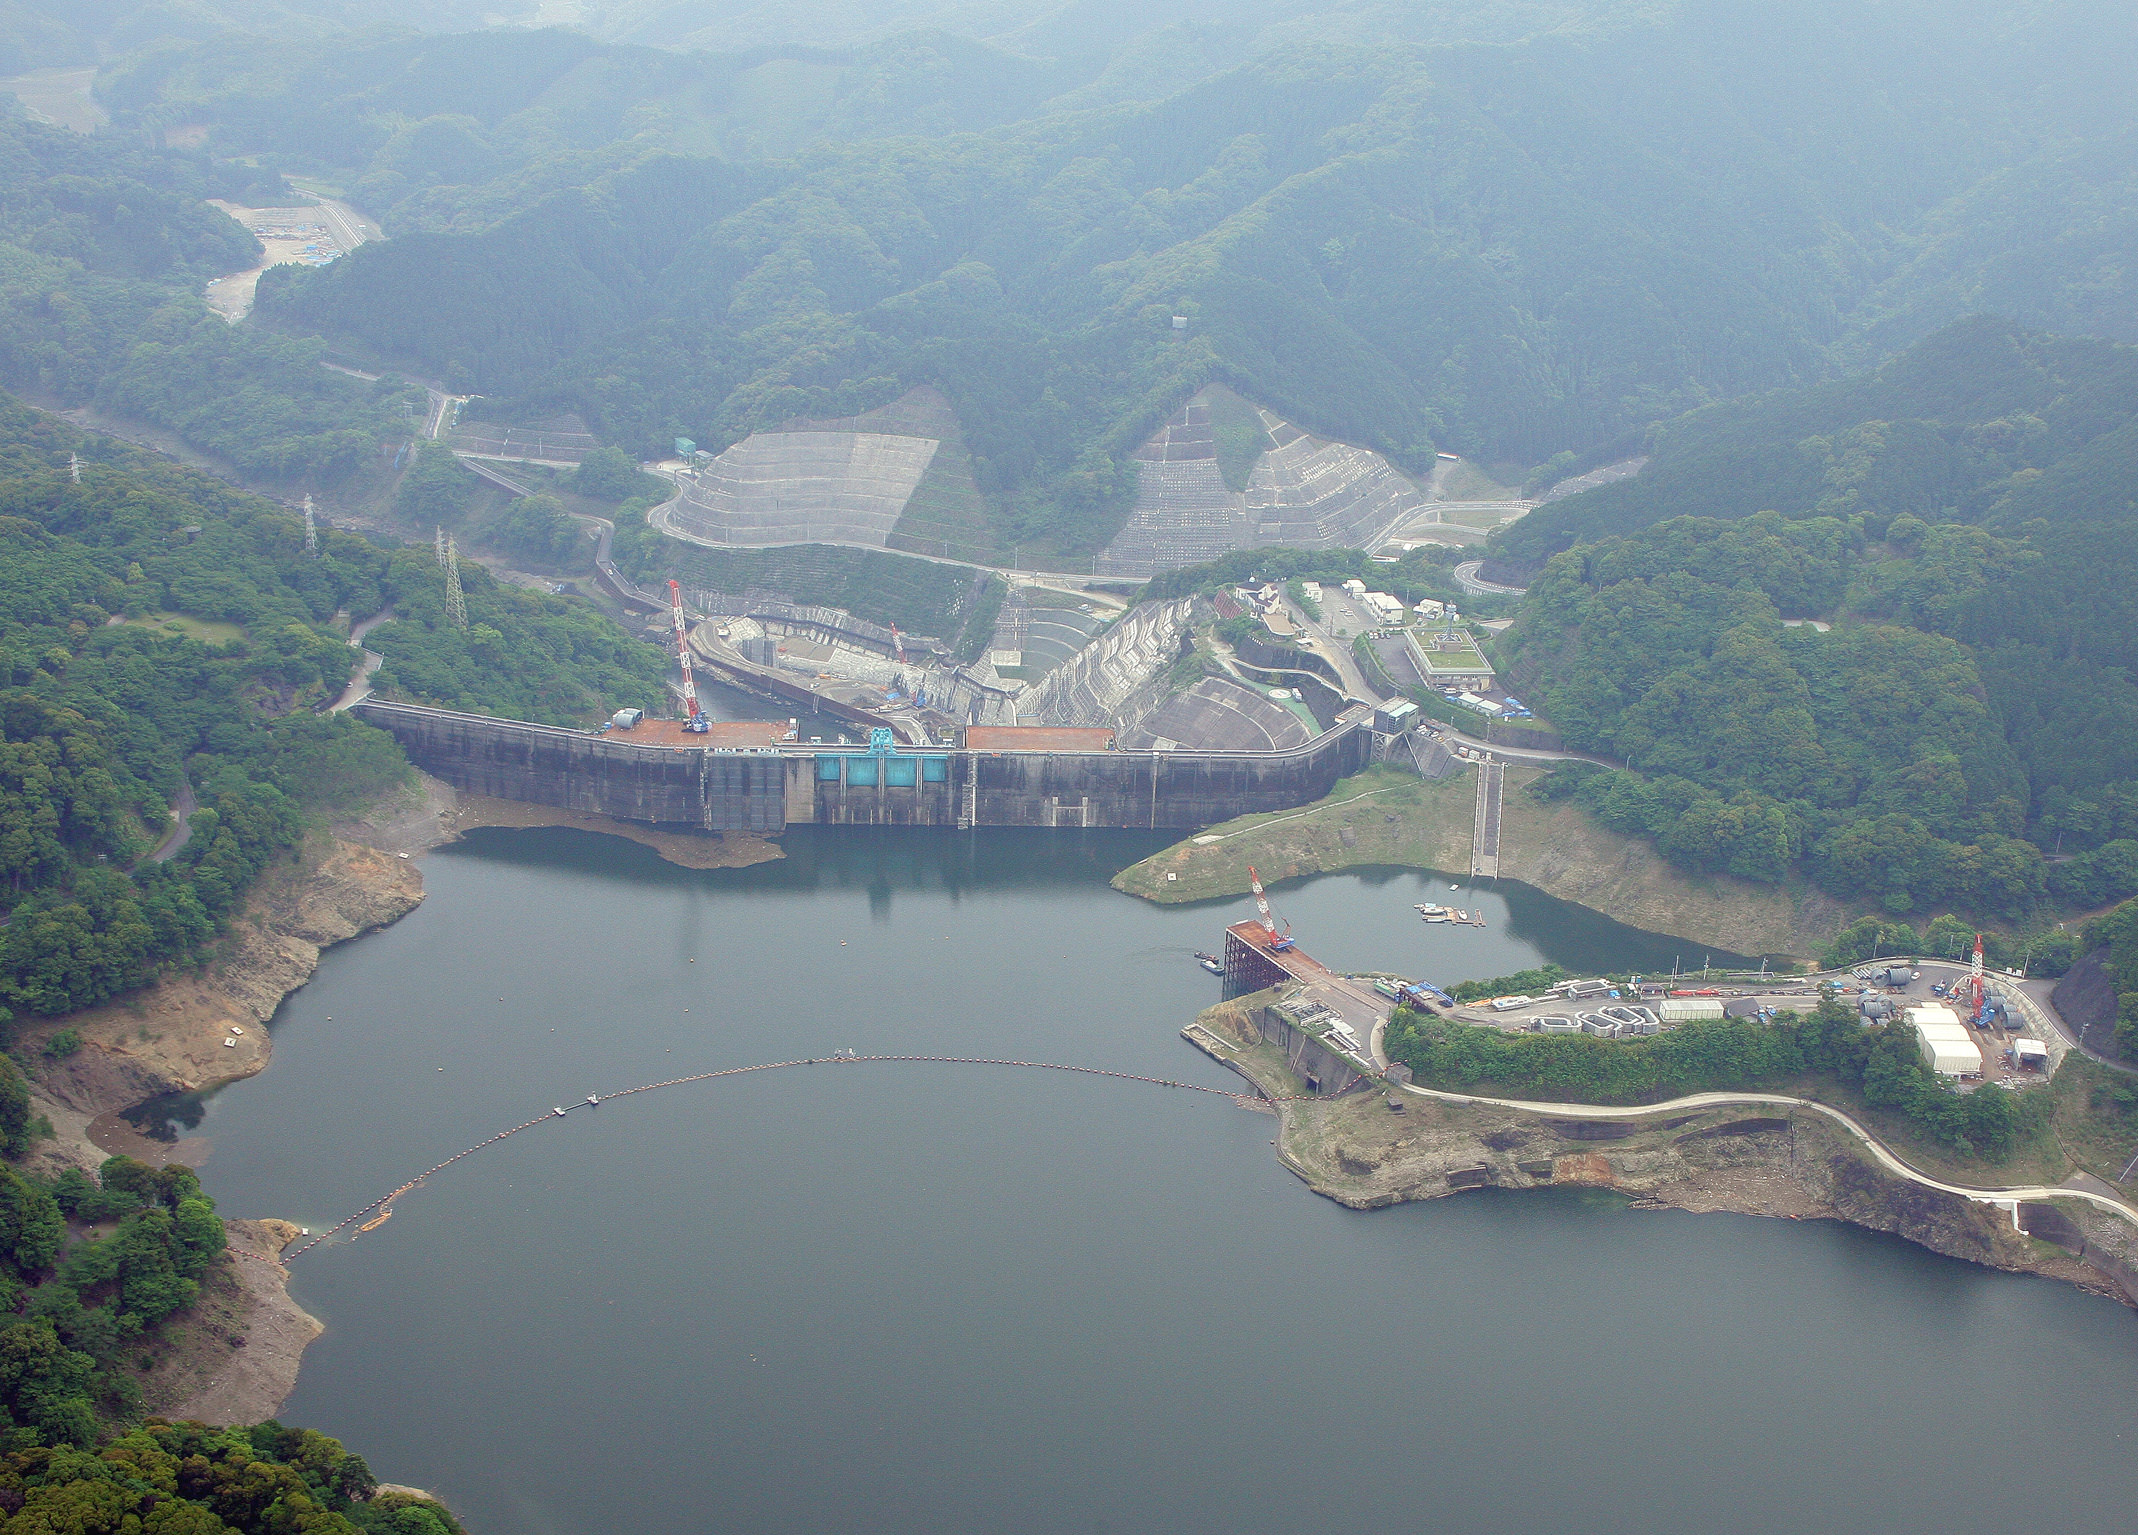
pixel 695 722
pixel 1977 990
pixel 1280 939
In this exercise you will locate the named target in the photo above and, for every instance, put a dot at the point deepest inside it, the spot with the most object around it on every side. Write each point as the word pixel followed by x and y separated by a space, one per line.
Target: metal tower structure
pixel 74 467
pixel 695 721
pixel 438 537
pixel 1977 990
pixel 1279 941
pixel 311 528
pixel 456 603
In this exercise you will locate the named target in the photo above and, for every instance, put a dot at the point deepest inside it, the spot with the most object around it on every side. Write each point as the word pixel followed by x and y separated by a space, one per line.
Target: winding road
pixel 2043 1018
pixel 178 836
pixel 367 661
pixel 1467 578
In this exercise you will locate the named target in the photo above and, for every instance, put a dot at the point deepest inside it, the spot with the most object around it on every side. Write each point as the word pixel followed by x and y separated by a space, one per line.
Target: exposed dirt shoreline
pixel 234 1357
pixel 1742 1159
pixel 432 813
pixel 1386 818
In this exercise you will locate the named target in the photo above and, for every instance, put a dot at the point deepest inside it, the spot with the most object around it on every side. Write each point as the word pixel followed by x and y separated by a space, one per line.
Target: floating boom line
pixel 376 1213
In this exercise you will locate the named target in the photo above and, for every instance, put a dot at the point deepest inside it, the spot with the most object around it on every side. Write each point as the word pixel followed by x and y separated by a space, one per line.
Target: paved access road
pixel 178 836
pixel 1467 578
pixel 1884 1157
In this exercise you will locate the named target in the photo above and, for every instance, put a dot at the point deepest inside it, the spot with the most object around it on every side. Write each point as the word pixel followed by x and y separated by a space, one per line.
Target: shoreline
pixel 169 1038
pixel 1743 1153
pixel 431 813
pixel 1390 818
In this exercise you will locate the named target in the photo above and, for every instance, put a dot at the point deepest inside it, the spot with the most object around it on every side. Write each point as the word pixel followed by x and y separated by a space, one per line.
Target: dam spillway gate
pixel 765 789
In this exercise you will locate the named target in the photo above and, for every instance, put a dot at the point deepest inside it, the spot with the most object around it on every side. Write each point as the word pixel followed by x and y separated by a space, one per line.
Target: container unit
pixel 1948 1050
pixel 1687 1009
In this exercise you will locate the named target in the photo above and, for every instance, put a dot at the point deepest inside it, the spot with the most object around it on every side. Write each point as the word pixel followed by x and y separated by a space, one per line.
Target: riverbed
pixel 948 1298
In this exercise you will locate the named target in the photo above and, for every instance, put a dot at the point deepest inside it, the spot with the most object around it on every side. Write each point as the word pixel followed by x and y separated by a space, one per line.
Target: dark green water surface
pixel 919 1299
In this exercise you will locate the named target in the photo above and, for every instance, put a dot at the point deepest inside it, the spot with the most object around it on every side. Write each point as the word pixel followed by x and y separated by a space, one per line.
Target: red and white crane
pixel 1977 992
pixel 1279 941
pixel 695 721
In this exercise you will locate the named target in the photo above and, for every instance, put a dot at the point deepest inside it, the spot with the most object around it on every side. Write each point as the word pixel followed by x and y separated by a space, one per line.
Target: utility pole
pixel 456 605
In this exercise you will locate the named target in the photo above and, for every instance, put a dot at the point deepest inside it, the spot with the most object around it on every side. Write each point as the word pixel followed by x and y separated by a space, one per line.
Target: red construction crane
pixel 898 642
pixel 1279 940
pixel 1977 991
pixel 695 722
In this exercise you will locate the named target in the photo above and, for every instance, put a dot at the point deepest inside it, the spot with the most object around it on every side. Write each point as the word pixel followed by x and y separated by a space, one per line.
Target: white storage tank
pixel 1686 1009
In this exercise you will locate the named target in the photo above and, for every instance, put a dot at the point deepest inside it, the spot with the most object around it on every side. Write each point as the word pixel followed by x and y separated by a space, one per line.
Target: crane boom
pixel 1279 940
pixel 695 721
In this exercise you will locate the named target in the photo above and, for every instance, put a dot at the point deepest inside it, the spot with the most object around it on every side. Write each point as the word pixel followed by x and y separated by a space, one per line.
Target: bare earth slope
pixel 1389 818
pixel 232 1357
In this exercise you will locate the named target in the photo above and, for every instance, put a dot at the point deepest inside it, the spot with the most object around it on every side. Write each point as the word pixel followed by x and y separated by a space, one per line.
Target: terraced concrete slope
pixel 1311 494
pixel 1093 685
pixel 1218 714
pixel 894 477
pixel 1303 493
pixel 1037 637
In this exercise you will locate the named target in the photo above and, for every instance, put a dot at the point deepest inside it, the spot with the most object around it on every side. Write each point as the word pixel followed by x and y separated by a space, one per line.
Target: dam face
pixel 766 789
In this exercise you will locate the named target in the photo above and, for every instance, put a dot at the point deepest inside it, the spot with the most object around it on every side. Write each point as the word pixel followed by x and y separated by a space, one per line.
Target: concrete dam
pixel 746 777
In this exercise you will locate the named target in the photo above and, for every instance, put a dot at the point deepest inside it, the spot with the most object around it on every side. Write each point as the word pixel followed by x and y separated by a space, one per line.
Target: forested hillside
pixel 1506 250
pixel 158 628
pixel 104 248
pixel 1964 520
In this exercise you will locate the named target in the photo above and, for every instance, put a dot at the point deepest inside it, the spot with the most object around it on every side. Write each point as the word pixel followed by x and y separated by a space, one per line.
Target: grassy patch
pixel 1381 817
pixel 208 631
pixel 1241 440
pixel 1465 481
pixel 2096 1121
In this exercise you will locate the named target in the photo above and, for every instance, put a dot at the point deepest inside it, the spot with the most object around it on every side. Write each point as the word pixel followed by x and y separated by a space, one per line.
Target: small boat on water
pixel 1428 910
pixel 1438 916
pixel 1210 962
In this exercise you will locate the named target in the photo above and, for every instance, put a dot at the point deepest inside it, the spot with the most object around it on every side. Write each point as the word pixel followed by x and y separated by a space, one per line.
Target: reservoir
pixel 921 1299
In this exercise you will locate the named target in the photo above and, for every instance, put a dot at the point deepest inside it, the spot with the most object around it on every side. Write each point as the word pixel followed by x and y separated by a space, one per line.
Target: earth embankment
pixel 1388 818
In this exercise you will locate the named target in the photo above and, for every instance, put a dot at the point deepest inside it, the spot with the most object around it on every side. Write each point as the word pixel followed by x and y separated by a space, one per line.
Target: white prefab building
pixel 1933 1014
pixel 1948 1050
pixel 1685 1009
pixel 1385 607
